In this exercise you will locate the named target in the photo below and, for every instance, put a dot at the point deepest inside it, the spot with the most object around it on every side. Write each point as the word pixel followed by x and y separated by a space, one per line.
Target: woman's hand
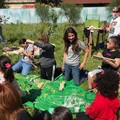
pixel 63 68
pixel 81 66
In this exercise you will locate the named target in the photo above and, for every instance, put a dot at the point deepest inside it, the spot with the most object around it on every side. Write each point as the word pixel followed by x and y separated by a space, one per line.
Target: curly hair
pixel 108 83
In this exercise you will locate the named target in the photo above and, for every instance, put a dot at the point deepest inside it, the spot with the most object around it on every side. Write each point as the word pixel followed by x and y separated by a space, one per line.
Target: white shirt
pixel 30 48
pixel 73 58
pixel 117 26
pixel 114 27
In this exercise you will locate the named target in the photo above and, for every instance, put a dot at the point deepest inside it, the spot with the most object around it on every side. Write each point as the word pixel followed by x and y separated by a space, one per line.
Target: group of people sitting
pixel 105 105
pixel 103 81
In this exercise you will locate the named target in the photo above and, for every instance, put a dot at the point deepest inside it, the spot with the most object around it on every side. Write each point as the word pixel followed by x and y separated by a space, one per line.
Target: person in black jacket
pixel 47 59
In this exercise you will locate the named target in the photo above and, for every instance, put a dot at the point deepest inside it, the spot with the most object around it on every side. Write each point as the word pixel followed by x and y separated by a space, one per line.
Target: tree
pixel 2 4
pixel 72 12
pixel 43 12
pixel 52 3
pixel 113 4
pixel 53 21
pixel 54 16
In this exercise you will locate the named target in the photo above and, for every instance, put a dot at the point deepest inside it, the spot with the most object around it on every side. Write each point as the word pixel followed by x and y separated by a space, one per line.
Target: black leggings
pixel 46 73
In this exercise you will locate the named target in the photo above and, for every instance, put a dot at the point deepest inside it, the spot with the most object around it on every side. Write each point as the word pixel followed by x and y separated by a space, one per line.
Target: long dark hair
pixel 6 68
pixel 66 41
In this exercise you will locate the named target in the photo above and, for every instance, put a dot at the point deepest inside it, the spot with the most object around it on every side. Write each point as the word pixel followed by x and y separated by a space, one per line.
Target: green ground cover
pixel 13 33
pixel 49 96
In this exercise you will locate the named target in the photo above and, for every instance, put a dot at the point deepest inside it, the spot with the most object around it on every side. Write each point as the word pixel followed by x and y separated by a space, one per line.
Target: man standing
pixel 114 27
pixel 1 36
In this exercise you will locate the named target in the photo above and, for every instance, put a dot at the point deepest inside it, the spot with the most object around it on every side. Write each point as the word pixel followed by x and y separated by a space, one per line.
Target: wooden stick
pixel 90 44
pixel 33 64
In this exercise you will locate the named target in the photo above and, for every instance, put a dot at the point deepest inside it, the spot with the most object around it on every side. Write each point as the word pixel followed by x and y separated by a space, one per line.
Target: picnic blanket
pixel 49 96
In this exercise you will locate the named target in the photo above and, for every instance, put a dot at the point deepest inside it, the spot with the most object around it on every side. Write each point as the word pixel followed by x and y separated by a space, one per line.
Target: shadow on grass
pixel 31 96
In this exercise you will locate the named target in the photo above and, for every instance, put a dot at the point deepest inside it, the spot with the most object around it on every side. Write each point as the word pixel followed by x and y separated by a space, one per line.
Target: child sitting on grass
pixel 106 102
pixel 24 65
pixel 112 52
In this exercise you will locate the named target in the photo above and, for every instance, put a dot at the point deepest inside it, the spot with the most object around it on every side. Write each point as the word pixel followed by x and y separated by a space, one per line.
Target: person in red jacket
pixel 106 102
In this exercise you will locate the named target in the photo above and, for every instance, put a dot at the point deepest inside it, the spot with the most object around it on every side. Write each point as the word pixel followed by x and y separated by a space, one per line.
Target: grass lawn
pixel 13 33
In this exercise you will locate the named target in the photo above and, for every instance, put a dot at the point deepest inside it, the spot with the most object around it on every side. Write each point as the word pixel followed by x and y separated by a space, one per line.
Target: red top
pixel 103 108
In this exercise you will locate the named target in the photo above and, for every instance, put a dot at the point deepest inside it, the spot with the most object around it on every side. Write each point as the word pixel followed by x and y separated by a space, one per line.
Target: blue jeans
pixel 72 71
pixel 22 66
pixel 2 39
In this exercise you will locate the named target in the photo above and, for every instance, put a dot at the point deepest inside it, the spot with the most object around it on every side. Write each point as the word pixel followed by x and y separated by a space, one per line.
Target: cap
pixel 116 9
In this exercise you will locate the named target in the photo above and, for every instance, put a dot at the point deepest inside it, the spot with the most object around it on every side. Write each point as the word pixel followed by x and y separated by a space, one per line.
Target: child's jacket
pixel 103 108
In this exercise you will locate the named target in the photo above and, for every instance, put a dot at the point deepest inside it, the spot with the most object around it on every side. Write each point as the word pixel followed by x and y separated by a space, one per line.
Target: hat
pixel 116 9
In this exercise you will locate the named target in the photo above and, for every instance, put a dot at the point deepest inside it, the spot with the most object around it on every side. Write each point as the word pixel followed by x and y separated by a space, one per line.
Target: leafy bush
pixel 72 12
pixel 43 12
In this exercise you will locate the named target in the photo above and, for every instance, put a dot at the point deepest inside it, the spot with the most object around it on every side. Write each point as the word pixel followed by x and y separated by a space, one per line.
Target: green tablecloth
pixel 49 96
